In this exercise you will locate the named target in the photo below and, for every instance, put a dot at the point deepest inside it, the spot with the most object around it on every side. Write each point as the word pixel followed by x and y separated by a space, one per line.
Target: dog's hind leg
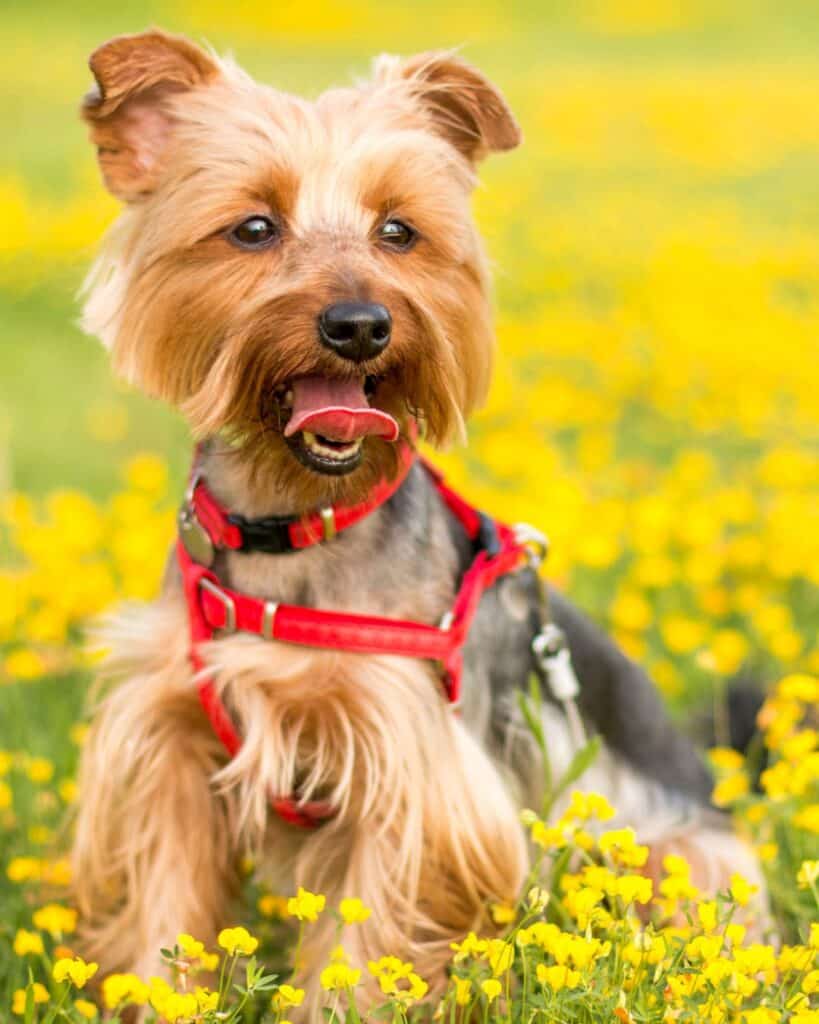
pixel 153 851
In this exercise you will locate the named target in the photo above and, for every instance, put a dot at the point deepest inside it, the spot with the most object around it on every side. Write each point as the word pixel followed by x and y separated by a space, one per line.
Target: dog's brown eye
pixel 396 234
pixel 254 233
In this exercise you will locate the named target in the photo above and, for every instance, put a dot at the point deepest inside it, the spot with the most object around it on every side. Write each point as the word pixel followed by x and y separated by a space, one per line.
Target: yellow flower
pixel 75 970
pixel 463 990
pixel 550 837
pixel 502 913
pixel 178 1006
pixel 286 996
pixel 27 942
pixel 147 472
pixel 272 906
pixel 741 890
pixel 353 910
pixel 237 941
pixel 190 947
pixel 808 818
pixel 726 759
pixel 802 688
pixel 19 999
pixel 622 847
pixel 338 976
pixel 85 1009
pixel 730 789
pixel 24 664
pixel 707 914
pixel 39 769
pixel 557 977
pixel 205 999
pixel 305 905
pixel 471 947
pixel 122 989
pixel 633 889
pixel 24 869
pixel 56 920
pixel 491 988
pixel 810 983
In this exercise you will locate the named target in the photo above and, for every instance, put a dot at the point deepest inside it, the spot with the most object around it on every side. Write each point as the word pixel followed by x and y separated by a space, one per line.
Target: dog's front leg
pixel 153 854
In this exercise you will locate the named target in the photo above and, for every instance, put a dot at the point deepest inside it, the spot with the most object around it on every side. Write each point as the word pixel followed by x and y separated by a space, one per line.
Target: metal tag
pixel 195 537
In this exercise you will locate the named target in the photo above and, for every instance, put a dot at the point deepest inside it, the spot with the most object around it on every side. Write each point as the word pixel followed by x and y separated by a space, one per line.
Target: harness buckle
pixel 269 619
pixel 328 522
pixel 226 602
pixel 535 541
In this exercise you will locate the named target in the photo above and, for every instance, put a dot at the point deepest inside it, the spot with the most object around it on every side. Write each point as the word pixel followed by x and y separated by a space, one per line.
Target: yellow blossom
pixel 40 994
pixel 808 818
pixel 557 977
pixel 85 1009
pixel 463 990
pixel 75 970
pixel 502 913
pixel 337 976
pixel 56 920
pixel 305 905
pixel 491 988
pixel 123 989
pixel 741 890
pixel 237 941
pixel 286 996
pixel 27 942
pixel 353 910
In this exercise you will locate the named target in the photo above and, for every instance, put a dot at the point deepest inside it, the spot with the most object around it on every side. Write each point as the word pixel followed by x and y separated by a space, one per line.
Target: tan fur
pixel 161 827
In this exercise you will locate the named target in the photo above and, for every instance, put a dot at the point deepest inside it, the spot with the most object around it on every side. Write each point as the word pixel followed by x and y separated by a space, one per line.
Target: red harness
pixel 213 607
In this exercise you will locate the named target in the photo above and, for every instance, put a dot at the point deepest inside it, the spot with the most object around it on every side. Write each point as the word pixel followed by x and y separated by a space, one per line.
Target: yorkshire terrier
pixel 329 681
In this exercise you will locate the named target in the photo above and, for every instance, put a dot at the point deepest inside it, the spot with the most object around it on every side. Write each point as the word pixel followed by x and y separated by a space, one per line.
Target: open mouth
pixel 329 419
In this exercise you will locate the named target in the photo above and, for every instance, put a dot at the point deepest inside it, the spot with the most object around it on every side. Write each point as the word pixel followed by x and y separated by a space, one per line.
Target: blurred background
pixel 656 402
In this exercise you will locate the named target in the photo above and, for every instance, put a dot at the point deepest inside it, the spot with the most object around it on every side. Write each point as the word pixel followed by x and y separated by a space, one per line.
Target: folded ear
pixel 130 123
pixel 464 106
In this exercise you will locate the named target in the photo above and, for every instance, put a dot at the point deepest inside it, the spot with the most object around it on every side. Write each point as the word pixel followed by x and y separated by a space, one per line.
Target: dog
pixel 305 282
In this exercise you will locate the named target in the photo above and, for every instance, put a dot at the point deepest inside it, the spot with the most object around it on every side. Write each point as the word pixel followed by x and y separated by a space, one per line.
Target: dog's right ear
pixel 127 112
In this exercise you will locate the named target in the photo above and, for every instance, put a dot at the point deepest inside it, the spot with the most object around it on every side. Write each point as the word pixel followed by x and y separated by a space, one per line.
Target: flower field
pixel 655 410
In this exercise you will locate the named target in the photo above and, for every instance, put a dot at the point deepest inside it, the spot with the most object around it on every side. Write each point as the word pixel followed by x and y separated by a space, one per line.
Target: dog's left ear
pixel 463 105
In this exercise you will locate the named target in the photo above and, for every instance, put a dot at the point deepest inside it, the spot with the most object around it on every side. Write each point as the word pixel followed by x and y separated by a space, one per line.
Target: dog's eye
pixel 254 233
pixel 397 235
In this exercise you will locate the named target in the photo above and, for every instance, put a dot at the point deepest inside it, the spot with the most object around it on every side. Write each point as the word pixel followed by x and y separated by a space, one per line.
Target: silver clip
pixel 535 541
pixel 555 662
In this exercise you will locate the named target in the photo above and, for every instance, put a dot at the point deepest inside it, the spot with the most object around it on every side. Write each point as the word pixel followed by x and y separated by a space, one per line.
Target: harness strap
pixel 214 608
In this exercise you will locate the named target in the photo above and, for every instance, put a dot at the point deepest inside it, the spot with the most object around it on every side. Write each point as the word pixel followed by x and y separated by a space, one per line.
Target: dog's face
pixel 303 276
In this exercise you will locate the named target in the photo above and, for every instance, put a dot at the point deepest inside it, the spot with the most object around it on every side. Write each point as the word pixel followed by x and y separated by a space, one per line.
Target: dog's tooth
pixel 308 437
pixel 288 397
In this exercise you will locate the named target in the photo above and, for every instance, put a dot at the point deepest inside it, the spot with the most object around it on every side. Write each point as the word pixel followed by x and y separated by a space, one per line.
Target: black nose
pixel 355 330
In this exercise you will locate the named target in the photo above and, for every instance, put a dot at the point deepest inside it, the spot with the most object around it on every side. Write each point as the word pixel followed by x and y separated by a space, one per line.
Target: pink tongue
pixel 338 410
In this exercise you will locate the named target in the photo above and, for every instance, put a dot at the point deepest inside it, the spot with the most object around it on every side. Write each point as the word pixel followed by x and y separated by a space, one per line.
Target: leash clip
pixel 554 660
pixel 535 541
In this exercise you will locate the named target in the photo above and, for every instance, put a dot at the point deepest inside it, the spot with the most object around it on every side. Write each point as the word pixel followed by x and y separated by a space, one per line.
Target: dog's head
pixel 304 276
